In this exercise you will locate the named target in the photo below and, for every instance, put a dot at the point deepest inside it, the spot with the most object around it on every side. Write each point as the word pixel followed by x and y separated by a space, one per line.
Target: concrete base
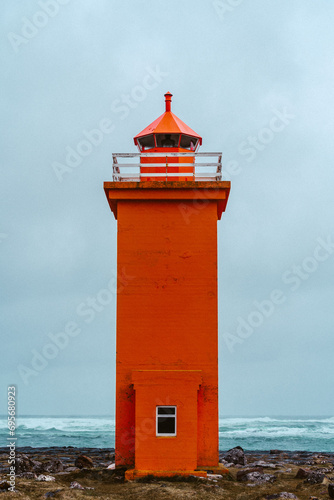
pixel 132 474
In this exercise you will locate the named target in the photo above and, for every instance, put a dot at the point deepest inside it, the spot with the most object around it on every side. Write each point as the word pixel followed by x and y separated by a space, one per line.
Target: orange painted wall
pixel 176 388
pixel 167 319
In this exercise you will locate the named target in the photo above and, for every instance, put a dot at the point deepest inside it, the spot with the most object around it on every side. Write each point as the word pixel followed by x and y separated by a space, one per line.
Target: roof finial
pixel 168 100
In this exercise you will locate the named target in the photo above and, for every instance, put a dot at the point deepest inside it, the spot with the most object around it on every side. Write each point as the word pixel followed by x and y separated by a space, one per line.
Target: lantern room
pixel 165 135
pixel 167 151
pixel 168 132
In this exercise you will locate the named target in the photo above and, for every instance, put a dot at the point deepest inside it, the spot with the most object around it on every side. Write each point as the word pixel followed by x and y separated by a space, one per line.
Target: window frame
pixel 174 416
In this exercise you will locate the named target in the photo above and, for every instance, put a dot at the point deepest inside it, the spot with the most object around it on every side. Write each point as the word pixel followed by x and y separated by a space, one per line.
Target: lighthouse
pixel 167 198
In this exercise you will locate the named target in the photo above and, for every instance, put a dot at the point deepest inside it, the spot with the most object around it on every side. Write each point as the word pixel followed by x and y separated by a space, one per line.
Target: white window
pixel 166 420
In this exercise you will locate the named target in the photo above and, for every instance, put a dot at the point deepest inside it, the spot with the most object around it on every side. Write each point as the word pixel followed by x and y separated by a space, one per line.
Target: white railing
pixel 202 171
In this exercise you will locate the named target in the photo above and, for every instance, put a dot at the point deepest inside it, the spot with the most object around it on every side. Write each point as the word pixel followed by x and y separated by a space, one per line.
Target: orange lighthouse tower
pixel 167 204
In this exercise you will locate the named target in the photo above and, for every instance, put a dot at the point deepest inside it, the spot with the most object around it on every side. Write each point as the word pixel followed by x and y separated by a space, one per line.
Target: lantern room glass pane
pixel 146 142
pixel 188 142
pixel 167 140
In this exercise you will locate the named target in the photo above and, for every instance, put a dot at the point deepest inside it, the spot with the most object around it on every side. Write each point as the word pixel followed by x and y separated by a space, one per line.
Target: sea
pixel 315 434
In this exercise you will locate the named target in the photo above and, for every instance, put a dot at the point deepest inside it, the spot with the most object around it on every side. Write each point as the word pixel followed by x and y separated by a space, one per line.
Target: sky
pixel 256 80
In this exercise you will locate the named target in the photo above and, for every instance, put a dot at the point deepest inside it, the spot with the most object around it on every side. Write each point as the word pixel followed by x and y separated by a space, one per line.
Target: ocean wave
pixel 231 421
pixel 278 431
pixel 83 423
pixel 291 433
pixel 245 420
pixel 56 424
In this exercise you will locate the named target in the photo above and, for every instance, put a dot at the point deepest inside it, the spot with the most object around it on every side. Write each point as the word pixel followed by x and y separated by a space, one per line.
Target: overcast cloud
pixel 255 79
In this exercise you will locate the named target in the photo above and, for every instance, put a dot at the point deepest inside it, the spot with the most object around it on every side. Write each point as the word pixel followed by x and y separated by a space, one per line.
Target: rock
pixel 258 478
pixel 275 452
pixel 315 478
pixel 37 466
pixel 331 490
pixel 4 486
pixel 261 463
pixel 311 477
pixel 83 462
pixel 283 494
pixel 326 470
pixel 319 459
pixel 71 469
pixel 51 494
pixel 236 456
pixel 76 486
pixel 303 473
pixel 42 477
pixel 214 477
pixel 55 465
pixel 29 475
pixel 111 466
pixel 242 475
pixel 26 464
pixel 23 464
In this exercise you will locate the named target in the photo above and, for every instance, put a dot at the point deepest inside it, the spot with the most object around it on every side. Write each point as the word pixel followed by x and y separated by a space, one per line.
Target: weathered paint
pixel 167 312
pixel 167 352
pixel 199 193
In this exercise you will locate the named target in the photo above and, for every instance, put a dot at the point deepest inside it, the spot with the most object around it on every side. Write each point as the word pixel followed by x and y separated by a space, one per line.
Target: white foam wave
pixel 235 421
pixel 61 424
pixel 244 420
pixel 277 432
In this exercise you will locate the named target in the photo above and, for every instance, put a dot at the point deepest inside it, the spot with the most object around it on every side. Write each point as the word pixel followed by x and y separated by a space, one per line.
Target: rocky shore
pixel 71 473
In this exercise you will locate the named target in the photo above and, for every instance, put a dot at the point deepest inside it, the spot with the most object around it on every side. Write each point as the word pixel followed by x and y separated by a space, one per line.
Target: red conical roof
pixel 168 123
